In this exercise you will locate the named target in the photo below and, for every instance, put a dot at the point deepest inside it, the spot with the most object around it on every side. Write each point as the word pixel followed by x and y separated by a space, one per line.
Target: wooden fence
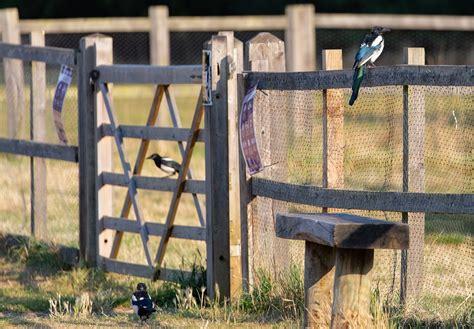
pixel 412 202
pixel 299 23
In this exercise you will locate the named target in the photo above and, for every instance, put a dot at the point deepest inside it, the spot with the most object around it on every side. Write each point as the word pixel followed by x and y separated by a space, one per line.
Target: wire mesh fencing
pixel 289 131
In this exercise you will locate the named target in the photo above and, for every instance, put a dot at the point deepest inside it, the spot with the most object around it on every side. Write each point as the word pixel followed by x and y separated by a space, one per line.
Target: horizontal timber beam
pixel 156 229
pixel 50 55
pixel 429 75
pixel 152 183
pixel 146 74
pixel 143 271
pixel 365 200
pixel 150 133
pixel 39 150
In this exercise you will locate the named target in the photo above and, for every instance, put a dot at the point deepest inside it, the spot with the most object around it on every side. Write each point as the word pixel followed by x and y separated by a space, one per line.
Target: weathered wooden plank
pixel 300 38
pixel 138 166
pixel 365 200
pixel 152 183
pixel 38 133
pixel 39 150
pixel 86 25
pixel 143 271
pixel 413 180
pixel 430 75
pixel 342 230
pixel 156 229
pixel 396 22
pixel 50 55
pixel 319 270
pixel 351 303
pixel 160 75
pixel 217 173
pixel 159 35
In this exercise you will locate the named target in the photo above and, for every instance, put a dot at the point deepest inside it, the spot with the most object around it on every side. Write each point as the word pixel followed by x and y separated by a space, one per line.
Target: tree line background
pixel 104 8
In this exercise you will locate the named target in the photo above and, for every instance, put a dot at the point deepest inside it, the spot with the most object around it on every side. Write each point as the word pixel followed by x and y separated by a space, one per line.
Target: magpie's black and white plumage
pixel 369 51
pixel 168 165
pixel 142 304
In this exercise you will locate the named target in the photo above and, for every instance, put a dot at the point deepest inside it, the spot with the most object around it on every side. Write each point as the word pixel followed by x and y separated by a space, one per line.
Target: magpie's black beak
pixel 150 157
pixel 385 30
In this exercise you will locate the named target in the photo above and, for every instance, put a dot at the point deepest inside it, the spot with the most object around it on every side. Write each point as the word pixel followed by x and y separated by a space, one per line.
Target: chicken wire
pixel 289 131
pixel 62 184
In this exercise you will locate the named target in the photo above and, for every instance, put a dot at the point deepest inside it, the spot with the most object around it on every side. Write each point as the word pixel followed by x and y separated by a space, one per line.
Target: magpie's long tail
pixel 357 81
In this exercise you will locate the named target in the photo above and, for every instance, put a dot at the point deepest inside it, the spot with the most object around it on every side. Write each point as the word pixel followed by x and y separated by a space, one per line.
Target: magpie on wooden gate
pixel 369 51
pixel 142 304
pixel 167 165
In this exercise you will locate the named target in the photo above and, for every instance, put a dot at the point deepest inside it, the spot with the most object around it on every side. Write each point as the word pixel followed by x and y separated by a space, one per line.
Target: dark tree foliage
pixel 104 8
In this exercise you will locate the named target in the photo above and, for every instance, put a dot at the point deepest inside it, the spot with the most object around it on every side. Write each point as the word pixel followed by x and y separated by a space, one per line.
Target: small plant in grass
pixel 60 307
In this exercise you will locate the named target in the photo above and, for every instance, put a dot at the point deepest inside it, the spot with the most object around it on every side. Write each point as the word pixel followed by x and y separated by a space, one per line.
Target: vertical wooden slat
pixel 217 174
pixel 94 157
pixel 38 134
pixel 351 305
pixel 413 180
pixel 265 52
pixel 159 35
pixel 137 169
pixel 235 58
pixel 300 38
pixel 13 71
pixel 333 126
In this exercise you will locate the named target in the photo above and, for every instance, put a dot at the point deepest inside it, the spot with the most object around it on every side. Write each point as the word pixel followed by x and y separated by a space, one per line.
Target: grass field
pixel 373 162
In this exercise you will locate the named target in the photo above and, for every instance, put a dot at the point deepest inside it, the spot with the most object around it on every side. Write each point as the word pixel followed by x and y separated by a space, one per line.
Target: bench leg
pixel 351 306
pixel 318 284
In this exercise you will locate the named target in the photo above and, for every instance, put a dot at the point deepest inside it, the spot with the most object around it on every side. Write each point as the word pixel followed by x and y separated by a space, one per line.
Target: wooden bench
pixel 339 254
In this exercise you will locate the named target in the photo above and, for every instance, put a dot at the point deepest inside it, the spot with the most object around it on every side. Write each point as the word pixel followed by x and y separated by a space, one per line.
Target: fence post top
pixel 264 37
pixel 163 10
pixel 299 8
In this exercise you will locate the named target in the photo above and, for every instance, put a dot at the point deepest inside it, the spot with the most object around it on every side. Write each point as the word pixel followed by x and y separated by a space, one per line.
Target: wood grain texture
pixel 318 284
pixel 351 304
pixel 50 55
pixel 343 231
pixel 365 200
pixel 430 75
pixel 38 133
pixel 158 75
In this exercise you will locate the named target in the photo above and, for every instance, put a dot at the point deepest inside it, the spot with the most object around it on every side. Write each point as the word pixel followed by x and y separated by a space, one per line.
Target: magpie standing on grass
pixel 369 51
pixel 142 304
pixel 167 165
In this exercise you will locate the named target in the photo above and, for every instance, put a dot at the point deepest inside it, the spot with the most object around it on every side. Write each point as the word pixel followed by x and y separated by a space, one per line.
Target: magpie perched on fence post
pixel 167 165
pixel 369 51
pixel 142 304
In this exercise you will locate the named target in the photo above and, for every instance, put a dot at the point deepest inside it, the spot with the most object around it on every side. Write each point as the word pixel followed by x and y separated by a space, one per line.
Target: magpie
pixel 142 304
pixel 369 51
pixel 167 165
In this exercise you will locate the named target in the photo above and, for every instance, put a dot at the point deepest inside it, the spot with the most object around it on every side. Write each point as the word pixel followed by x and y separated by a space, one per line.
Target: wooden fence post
pixel 13 71
pixel 300 38
pixel 159 35
pixel 265 52
pixel 235 61
pixel 413 180
pixel 38 134
pixel 333 125
pixel 94 157
pixel 217 174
